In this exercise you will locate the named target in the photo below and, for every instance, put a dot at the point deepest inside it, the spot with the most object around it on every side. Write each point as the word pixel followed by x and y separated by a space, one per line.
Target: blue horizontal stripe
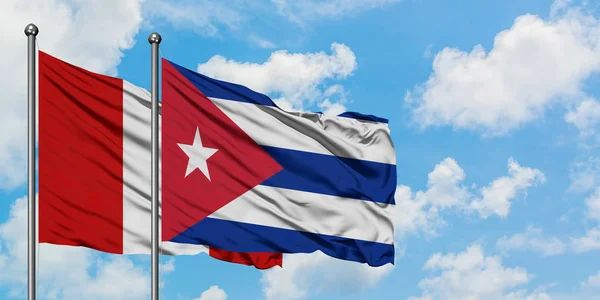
pixel 244 237
pixel 214 88
pixel 332 175
pixel 359 116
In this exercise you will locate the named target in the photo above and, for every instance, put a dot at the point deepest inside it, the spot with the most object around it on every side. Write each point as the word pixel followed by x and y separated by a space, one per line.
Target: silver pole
pixel 31 32
pixel 154 39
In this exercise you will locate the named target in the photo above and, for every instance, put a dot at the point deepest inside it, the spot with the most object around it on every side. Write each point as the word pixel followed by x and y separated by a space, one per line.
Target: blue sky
pixel 493 109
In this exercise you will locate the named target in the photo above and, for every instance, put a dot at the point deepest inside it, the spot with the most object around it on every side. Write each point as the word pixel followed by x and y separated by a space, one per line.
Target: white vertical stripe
pixel 136 176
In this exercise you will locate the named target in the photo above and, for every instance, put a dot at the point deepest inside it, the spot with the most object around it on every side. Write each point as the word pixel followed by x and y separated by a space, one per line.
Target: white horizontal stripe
pixel 309 212
pixel 311 132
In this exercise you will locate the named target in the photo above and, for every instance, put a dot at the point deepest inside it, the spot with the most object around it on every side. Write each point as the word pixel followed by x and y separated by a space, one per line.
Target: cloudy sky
pixel 494 111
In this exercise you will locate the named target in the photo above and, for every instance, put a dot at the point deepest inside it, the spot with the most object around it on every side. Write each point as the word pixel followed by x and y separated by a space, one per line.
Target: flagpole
pixel 154 39
pixel 31 31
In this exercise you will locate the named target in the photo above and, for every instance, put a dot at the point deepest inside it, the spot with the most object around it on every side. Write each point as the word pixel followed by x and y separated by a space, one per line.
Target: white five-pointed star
pixel 197 155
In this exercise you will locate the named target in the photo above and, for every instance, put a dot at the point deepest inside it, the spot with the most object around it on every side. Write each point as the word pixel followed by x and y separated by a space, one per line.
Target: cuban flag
pixel 241 174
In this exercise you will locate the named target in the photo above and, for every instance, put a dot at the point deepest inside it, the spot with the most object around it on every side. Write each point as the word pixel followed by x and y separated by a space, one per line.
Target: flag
pixel 94 166
pixel 243 175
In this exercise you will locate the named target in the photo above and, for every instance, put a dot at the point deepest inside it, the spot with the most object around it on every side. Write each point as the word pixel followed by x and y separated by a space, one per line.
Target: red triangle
pixel 238 166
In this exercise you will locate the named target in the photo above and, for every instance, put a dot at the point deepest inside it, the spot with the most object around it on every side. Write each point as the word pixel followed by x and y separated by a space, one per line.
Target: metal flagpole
pixel 31 32
pixel 154 39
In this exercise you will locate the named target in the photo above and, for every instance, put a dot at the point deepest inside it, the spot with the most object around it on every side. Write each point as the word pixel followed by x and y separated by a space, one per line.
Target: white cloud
pixel 592 204
pixel 589 242
pixel 523 295
pixel 497 196
pixel 117 279
pixel 330 108
pixel 533 240
pixel 297 79
pixel 213 293
pixel 588 290
pixel 65 272
pixel 415 214
pixel 301 11
pixel 593 282
pixel 585 175
pixel 261 42
pixel 167 267
pixel 215 18
pixel 559 6
pixel 69 30
pixel 586 116
pixel 320 273
pixel 335 99
pixel 444 185
pixel 472 275
pixel 201 16
pixel 532 66
pixel 420 211
pixel 427 53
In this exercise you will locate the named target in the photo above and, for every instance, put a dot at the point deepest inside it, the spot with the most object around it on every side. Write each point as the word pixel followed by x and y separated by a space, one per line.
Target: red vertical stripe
pixel 80 157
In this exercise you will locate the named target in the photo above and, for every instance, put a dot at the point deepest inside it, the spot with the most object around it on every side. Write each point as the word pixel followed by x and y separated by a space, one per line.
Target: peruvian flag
pixel 94 166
